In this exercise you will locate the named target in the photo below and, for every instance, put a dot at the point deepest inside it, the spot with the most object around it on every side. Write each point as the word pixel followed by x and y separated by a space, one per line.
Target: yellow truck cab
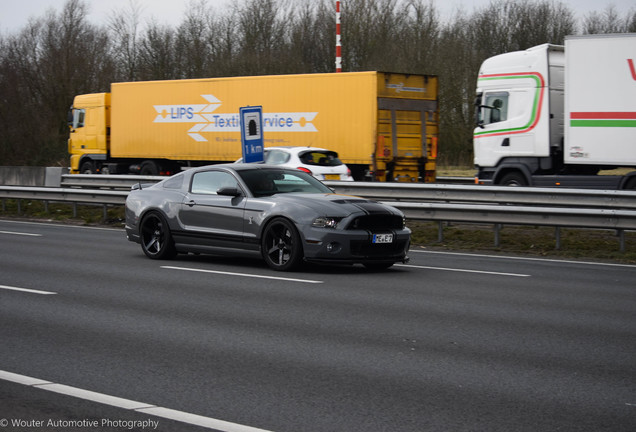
pixel 90 132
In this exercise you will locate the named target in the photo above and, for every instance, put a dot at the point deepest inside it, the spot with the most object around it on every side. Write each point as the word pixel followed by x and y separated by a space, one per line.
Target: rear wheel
pixel 156 240
pixel 149 168
pixel 281 246
pixel 631 184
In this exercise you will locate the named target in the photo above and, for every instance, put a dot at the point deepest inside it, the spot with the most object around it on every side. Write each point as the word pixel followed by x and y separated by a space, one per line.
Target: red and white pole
pixel 338 43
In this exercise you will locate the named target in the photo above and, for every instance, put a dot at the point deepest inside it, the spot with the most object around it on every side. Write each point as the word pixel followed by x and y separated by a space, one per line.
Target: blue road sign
pixel 251 119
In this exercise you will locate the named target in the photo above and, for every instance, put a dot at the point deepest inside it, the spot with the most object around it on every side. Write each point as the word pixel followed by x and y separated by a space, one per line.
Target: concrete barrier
pixel 31 176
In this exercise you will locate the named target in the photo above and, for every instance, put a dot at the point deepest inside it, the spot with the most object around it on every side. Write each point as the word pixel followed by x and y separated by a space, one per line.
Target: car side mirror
pixel 229 191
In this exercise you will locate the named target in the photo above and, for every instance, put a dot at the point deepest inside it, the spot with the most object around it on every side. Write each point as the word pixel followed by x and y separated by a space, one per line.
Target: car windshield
pixel 266 182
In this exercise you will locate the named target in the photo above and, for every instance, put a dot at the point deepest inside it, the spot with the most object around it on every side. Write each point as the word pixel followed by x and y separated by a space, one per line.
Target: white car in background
pixel 320 163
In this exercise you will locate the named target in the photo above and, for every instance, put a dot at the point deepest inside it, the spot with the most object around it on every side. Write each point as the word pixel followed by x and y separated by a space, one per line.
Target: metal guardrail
pixel 598 209
pixel 70 195
pixel 99 181
pixel 505 195
pixel 418 192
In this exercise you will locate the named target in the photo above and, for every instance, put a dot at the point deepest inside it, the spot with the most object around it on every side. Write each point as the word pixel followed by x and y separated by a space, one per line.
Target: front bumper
pixel 355 246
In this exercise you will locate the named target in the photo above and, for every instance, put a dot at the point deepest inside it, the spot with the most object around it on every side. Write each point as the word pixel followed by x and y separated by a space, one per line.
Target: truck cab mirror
pixel 479 121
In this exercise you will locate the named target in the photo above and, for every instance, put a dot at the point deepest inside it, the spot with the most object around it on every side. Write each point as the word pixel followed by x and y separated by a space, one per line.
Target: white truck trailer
pixel 557 116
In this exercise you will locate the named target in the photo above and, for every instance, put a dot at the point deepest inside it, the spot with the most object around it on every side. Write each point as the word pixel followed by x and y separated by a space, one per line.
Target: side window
pixel 78 118
pixel 208 182
pixel 495 107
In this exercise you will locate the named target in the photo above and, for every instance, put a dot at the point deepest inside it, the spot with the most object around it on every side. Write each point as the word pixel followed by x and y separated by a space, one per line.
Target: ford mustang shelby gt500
pixel 284 215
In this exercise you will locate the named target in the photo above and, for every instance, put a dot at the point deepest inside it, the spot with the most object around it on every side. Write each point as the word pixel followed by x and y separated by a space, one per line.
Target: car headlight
pixel 326 222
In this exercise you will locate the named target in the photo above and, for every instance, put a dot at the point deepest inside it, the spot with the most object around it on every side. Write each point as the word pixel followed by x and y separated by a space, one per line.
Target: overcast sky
pixel 14 14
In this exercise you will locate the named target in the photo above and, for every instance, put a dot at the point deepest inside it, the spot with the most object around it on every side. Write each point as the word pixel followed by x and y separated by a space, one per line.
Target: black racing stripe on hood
pixel 367 206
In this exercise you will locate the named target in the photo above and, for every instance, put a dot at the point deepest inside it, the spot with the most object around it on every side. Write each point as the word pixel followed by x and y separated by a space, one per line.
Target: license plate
pixel 332 177
pixel 382 238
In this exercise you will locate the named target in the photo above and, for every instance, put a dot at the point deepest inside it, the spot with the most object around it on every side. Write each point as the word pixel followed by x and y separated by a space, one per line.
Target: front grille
pixel 377 222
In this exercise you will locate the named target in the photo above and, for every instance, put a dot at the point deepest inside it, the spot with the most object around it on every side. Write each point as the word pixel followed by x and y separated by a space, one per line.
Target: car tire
pixel 281 246
pixel 155 236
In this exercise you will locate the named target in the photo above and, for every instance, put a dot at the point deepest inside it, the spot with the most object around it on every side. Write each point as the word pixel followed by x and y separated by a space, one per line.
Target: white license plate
pixel 382 238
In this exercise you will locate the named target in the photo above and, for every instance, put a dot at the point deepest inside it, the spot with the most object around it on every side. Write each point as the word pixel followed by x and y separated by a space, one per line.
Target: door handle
pixel 191 203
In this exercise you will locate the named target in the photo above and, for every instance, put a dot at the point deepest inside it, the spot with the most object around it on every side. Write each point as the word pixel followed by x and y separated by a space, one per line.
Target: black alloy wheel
pixel 281 245
pixel 156 240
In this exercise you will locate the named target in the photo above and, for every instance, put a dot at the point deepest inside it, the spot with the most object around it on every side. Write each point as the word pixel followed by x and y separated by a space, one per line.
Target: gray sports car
pixel 283 215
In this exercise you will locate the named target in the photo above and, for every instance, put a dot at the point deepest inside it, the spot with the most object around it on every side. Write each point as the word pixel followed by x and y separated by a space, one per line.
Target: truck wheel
pixel 149 168
pixel 281 246
pixel 631 184
pixel 156 240
pixel 87 167
pixel 513 179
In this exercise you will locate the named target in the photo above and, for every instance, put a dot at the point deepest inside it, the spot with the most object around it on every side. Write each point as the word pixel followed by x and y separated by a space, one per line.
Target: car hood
pixel 337 205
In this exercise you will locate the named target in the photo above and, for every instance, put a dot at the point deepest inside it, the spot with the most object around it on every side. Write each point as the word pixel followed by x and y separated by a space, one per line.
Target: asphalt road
pixel 95 336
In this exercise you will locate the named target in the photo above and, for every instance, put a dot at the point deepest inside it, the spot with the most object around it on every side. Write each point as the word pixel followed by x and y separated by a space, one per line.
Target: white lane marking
pixel 145 408
pixel 524 258
pixel 464 270
pixel 243 274
pixel 20 233
pixel 32 291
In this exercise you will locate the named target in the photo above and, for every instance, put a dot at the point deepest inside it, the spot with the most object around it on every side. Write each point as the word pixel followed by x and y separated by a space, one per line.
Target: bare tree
pixel 223 40
pixel 607 21
pixel 312 38
pixel 418 43
pixel 262 35
pixel 157 57
pixel 124 31
pixel 41 69
pixel 192 48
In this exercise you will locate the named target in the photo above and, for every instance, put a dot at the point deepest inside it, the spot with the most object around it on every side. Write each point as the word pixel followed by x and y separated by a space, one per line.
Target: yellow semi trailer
pixel 384 126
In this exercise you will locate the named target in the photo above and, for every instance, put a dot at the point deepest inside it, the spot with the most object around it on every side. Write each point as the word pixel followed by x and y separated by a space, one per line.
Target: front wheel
pixel 513 179
pixel 156 240
pixel 88 167
pixel 281 245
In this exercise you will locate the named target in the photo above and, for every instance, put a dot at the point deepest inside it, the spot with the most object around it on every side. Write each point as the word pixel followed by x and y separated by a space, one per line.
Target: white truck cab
pixel 535 111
